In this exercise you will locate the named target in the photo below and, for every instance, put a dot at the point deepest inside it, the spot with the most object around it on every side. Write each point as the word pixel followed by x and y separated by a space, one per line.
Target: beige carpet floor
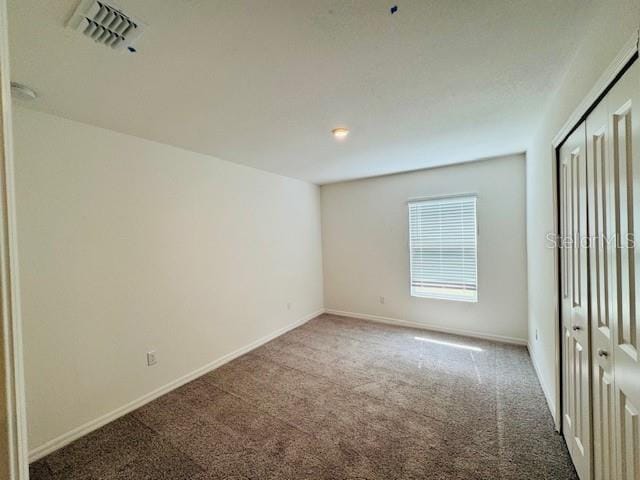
pixel 337 399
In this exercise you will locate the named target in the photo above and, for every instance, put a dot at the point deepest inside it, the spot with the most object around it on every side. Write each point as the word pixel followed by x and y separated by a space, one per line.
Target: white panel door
pixel 623 103
pixel 576 415
pixel 600 186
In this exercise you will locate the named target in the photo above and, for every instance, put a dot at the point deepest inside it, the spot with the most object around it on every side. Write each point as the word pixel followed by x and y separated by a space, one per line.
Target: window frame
pixel 408 230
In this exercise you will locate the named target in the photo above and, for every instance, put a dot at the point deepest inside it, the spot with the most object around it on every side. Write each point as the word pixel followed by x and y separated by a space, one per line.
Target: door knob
pixel 602 353
pixel 576 327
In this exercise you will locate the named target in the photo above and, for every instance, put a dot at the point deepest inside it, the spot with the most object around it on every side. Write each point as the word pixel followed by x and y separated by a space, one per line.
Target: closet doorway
pixel 599 203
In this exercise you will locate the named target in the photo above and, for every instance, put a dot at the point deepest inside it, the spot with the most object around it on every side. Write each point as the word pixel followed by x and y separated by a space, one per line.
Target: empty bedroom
pixel 319 240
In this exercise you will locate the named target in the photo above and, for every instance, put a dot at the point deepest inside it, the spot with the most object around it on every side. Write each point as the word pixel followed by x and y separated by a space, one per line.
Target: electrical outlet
pixel 152 359
pixel 382 300
pixel 288 305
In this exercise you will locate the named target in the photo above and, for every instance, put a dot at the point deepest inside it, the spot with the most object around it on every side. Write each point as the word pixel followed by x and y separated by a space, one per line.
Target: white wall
pixel 127 245
pixel 613 23
pixel 366 256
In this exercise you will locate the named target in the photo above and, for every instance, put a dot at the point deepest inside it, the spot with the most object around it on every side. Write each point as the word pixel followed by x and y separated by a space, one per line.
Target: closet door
pixel 575 325
pixel 623 102
pixel 600 186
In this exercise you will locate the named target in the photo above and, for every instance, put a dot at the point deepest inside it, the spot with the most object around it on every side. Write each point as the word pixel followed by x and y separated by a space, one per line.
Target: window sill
pixel 436 296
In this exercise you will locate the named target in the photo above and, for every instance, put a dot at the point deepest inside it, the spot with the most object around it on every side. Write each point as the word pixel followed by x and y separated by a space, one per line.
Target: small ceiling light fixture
pixel 340 133
pixel 22 92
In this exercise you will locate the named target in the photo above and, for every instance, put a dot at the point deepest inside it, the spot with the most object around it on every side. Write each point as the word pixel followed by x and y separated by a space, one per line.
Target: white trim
pixel 11 324
pixel 66 438
pixel 550 400
pixel 426 198
pixel 628 50
pixel 425 326
pixel 555 410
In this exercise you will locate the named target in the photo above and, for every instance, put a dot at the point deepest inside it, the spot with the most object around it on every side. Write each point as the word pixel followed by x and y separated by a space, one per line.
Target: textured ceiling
pixel 263 82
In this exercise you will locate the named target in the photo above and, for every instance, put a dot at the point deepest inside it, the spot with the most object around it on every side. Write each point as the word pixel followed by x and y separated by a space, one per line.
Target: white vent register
pixel 106 24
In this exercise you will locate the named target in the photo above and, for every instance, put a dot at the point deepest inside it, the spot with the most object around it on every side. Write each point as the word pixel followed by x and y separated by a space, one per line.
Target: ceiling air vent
pixel 106 24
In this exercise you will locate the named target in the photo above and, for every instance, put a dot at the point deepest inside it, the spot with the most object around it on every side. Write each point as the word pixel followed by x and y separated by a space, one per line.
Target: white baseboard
pixel 66 438
pixel 425 326
pixel 547 396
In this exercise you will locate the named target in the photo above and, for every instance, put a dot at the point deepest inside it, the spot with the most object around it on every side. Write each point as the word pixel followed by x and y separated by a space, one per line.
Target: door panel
pixel 603 422
pixel 629 452
pixel 623 162
pixel 602 250
pixel 575 325
pixel 567 287
pixel 624 123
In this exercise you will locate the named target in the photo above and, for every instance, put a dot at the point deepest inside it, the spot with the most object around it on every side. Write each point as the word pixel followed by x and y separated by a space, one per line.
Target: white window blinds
pixel 443 248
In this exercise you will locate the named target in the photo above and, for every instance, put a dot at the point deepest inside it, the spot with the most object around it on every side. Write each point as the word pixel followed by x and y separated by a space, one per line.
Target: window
pixel 443 248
